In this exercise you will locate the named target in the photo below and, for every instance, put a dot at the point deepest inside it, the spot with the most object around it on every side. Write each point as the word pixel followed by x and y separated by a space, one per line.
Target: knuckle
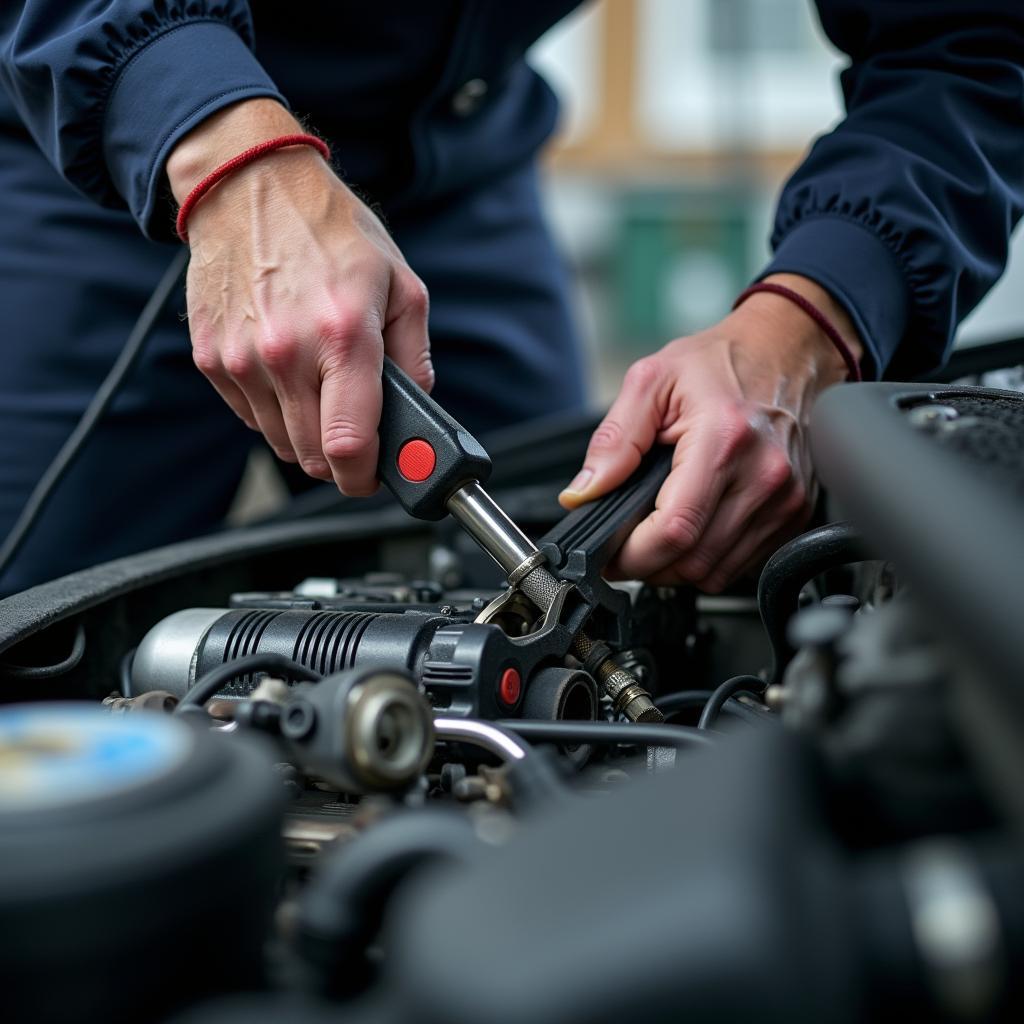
pixel 344 330
pixel 682 529
pixel 277 351
pixel 424 372
pixel 737 432
pixel 776 471
pixel 609 436
pixel 419 298
pixel 239 362
pixel 644 374
pixel 342 442
pixel 206 360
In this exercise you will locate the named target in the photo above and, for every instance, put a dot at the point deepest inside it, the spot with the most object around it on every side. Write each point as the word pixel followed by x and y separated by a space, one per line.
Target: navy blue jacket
pixel 904 212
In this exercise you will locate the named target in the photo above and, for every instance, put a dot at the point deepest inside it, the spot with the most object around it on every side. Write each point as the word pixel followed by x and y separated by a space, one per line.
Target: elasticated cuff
pixel 175 81
pixel 861 273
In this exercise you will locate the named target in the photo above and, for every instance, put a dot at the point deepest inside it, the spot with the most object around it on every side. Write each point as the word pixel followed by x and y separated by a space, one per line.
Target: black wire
pixel 267 661
pixel 683 700
pixel 729 688
pixel 50 671
pixel 605 732
pixel 123 365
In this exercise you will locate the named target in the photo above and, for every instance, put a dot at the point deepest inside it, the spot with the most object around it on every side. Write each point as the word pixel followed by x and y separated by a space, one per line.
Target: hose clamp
pixel 525 567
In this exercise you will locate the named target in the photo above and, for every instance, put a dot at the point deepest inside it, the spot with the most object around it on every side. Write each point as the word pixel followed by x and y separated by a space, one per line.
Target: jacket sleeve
pixel 107 87
pixel 904 211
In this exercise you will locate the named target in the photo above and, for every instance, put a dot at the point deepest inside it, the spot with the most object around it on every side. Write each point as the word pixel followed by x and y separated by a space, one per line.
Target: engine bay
pixel 343 767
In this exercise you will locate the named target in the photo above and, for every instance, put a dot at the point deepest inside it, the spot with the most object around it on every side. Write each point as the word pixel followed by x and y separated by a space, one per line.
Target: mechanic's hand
pixel 734 400
pixel 295 291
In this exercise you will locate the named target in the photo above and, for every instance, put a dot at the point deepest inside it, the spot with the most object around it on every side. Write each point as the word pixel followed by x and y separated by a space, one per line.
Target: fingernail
pixel 316 468
pixel 579 482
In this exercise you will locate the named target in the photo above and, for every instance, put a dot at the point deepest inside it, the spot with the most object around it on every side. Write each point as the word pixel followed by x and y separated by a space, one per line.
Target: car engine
pixel 342 767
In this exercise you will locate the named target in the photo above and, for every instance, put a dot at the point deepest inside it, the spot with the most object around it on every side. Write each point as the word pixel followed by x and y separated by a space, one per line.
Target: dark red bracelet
pixel 830 329
pixel 247 157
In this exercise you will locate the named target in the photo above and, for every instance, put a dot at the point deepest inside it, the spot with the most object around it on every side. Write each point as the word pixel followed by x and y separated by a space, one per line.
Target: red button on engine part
pixel 510 687
pixel 416 460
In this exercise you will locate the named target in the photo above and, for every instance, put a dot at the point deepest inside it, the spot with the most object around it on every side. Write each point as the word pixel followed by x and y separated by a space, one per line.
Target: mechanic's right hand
pixel 295 291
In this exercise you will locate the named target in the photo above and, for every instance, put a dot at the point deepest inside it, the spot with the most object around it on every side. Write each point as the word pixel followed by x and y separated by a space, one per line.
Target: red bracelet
pixel 831 332
pixel 241 160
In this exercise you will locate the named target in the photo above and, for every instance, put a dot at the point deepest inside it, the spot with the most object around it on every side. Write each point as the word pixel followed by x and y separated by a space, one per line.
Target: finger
pixel 233 396
pixel 300 407
pixel 683 509
pixel 207 361
pixel 350 404
pixel 624 436
pixel 406 339
pixel 779 521
pixel 249 377
pixel 762 482
pixel 283 356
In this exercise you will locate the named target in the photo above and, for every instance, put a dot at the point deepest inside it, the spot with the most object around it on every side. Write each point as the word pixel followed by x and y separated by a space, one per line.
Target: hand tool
pixel 435 467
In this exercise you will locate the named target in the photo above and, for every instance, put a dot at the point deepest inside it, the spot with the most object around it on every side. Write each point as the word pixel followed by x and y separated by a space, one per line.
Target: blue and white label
pixel 59 754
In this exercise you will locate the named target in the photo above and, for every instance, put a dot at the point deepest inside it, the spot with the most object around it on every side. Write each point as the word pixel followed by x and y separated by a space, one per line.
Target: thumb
pixel 623 438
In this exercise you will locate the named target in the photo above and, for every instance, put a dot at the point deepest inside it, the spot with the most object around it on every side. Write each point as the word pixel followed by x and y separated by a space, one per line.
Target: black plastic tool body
pixel 410 415
pixel 579 547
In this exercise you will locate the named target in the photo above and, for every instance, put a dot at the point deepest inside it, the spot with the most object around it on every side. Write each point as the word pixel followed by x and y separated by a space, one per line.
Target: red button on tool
pixel 416 460
pixel 510 687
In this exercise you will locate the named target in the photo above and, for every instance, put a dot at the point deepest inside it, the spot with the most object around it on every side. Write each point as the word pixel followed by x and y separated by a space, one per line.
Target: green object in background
pixel 681 258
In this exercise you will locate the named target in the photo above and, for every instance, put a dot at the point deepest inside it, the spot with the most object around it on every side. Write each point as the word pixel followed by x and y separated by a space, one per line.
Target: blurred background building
pixel 681 120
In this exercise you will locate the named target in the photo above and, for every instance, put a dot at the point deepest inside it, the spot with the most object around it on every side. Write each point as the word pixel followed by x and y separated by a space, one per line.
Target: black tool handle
pixel 591 534
pixel 425 455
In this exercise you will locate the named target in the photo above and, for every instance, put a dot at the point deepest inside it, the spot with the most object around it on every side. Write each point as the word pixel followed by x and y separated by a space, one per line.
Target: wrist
pixel 777 324
pixel 222 136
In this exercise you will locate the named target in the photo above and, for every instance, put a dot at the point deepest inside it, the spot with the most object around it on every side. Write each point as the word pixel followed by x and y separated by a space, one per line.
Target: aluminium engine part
pixel 153 700
pixel 365 731
pixel 187 644
pixel 464 666
pixel 491 738
pixel 134 852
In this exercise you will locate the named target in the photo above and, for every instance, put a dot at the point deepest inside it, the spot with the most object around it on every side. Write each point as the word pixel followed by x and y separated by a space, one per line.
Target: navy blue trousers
pixel 165 462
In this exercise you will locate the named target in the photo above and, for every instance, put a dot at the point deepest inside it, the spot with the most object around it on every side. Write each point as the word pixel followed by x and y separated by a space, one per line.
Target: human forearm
pixel 223 135
pixel 295 291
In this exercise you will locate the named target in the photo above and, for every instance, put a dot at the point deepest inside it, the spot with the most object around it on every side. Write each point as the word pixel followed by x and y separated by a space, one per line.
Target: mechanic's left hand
pixel 734 400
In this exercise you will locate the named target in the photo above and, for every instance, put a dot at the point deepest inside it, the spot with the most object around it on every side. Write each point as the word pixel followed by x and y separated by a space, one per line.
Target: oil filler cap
pixel 416 460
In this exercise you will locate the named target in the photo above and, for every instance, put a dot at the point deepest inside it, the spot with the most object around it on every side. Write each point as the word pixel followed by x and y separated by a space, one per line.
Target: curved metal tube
pixel 491 738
